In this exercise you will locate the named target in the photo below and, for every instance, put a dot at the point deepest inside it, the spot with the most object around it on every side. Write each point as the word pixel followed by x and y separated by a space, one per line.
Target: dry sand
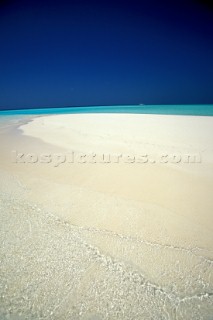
pixel 107 240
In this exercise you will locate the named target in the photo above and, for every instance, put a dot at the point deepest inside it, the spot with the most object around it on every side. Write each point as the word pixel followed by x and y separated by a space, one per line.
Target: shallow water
pixel 51 269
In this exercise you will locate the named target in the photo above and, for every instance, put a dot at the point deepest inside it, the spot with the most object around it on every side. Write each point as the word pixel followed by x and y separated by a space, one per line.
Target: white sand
pixel 132 133
pixel 152 223
pixel 159 200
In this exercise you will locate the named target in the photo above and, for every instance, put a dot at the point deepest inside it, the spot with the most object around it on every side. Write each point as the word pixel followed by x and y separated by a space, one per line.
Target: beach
pixel 106 216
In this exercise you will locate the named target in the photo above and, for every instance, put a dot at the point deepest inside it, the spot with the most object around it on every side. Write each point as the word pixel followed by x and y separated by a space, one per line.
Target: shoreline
pixel 149 224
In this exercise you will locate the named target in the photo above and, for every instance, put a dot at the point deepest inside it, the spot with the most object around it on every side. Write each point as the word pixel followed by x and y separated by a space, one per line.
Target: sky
pixel 72 53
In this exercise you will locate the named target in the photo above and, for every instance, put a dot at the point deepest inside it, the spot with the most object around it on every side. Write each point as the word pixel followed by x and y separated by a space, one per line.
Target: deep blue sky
pixel 67 53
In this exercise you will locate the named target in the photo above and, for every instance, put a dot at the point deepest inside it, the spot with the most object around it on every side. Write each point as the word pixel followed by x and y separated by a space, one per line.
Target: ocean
pixel 196 110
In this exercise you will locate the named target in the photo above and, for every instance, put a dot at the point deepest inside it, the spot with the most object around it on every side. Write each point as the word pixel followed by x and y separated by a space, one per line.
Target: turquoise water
pixel 199 110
